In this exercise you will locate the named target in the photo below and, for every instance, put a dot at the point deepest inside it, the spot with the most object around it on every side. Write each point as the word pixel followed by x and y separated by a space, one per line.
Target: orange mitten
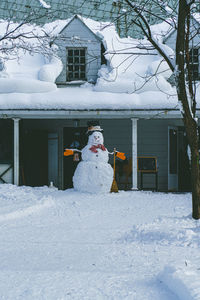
pixel 68 152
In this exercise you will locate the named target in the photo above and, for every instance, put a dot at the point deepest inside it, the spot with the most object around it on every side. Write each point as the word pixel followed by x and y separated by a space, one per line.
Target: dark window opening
pixel 173 151
pixel 76 69
pixel 72 138
pixel 103 59
pixel 194 63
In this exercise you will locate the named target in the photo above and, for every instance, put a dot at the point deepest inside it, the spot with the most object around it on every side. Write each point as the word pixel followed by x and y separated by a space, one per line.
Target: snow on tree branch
pixel 25 36
pixel 44 4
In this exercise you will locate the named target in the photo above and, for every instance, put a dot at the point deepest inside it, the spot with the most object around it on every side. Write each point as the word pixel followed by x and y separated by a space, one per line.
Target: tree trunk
pixel 192 134
pixel 190 123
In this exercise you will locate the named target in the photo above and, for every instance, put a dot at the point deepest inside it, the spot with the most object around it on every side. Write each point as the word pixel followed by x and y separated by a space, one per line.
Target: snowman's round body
pixel 93 174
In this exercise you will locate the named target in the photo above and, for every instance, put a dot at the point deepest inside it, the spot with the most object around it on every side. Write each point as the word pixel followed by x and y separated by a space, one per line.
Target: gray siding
pixel 76 34
pixel 153 141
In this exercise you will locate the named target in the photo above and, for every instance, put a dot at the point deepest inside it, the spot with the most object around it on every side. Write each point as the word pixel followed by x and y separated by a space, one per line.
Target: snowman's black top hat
pixel 93 126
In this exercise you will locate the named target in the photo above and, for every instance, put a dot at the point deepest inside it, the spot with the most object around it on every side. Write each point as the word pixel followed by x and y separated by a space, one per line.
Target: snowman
pixel 94 174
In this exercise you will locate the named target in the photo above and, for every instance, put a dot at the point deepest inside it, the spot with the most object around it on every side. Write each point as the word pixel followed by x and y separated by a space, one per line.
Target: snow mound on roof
pixel 14 85
pixel 49 72
pixel 32 66
pixel 131 68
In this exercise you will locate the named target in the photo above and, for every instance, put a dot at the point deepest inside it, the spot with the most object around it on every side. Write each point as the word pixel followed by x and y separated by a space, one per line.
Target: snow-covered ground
pixel 67 245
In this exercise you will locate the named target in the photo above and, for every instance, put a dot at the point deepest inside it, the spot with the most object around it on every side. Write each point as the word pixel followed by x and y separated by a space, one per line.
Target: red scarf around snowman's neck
pixel 95 147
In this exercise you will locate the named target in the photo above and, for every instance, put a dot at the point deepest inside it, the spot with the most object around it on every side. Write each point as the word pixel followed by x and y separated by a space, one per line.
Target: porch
pixel 35 149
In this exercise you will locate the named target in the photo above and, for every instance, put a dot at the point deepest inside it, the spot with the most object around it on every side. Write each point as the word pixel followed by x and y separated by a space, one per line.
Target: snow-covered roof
pixel 197 17
pixel 78 98
pixel 171 29
pixel 125 83
pixel 67 22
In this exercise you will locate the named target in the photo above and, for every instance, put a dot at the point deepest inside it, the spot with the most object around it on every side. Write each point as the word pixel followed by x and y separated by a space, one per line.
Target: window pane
pixel 76 60
pixel 82 68
pixel 82 52
pixel 70 52
pixel 76 52
pixel 70 60
pixel 76 75
pixel 82 60
pixel 76 68
pixel 195 59
pixel 194 55
pixel 82 75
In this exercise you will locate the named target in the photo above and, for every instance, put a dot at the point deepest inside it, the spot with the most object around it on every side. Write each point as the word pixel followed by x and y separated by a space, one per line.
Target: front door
pixel 172 158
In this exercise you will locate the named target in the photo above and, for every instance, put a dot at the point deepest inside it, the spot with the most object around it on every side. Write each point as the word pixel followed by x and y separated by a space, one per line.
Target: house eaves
pixel 92 113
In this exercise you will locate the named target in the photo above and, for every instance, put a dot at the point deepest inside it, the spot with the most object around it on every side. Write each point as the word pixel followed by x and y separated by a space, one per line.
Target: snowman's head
pixel 96 138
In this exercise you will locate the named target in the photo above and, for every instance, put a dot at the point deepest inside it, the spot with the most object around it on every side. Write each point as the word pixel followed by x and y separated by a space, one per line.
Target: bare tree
pixel 181 68
pixel 23 35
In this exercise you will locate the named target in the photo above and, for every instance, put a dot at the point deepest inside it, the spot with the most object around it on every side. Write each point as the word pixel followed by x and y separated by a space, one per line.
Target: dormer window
pixel 194 63
pixel 76 64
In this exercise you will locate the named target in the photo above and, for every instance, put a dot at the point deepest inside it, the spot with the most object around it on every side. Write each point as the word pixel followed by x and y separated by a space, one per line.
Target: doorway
pixel 172 158
pixel 179 171
pixel 75 138
pixel 34 158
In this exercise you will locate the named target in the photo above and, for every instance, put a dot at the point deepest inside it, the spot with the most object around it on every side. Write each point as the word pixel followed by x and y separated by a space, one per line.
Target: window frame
pixel 78 64
pixel 194 63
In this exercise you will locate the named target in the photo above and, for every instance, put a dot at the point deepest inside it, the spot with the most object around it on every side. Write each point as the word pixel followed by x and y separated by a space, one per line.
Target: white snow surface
pixel 10 85
pixel 86 98
pixel 128 72
pixel 50 71
pixel 132 245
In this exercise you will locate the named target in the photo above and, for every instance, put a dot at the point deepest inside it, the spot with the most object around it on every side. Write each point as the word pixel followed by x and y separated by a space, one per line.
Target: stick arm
pixel 76 150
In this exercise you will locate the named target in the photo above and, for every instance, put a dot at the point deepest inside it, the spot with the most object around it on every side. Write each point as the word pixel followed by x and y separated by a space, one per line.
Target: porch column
pixel 16 150
pixel 134 154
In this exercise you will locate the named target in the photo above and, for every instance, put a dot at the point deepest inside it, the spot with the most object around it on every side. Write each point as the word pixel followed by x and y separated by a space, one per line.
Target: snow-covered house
pixel 194 44
pixel 138 112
